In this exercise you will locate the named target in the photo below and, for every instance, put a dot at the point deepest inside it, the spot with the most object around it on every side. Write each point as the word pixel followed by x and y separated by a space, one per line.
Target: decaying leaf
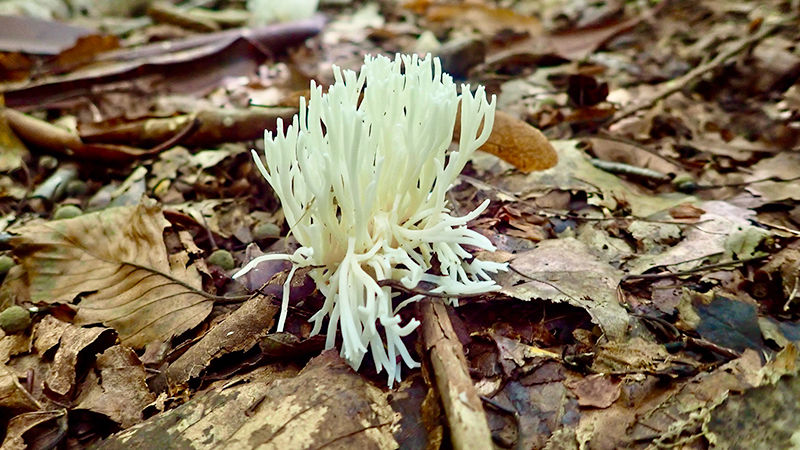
pixel 742 421
pixel 783 169
pixel 37 429
pixel 596 391
pixel 514 354
pixel 120 390
pixel 712 237
pixel 13 396
pixel 115 263
pixel 565 270
pixel 74 343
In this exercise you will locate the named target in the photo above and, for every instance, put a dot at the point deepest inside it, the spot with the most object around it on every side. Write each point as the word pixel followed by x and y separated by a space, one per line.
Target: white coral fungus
pixel 362 182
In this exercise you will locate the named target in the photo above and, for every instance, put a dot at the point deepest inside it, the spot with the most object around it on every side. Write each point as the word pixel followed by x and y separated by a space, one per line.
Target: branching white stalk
pixel 362 173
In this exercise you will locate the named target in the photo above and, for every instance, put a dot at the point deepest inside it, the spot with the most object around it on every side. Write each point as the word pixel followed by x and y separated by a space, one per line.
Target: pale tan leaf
pixel 117 262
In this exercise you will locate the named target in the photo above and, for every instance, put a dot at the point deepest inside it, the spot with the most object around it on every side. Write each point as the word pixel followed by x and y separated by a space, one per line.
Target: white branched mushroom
pixel 362 174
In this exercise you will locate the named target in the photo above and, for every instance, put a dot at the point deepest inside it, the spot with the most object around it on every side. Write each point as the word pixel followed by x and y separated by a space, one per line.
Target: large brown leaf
pixel 116 261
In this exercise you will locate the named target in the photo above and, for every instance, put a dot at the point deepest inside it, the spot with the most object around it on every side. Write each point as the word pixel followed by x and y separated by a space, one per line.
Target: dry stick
pixel 672 86
pixel 462 405
pixel 658 276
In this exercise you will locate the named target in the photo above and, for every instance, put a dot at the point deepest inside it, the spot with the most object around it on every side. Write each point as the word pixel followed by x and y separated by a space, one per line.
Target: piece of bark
pixel 462 406
pixel 327 405
pixel 240 331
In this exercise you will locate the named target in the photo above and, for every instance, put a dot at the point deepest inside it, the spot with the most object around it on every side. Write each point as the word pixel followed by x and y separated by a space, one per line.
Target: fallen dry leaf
pixel 597 391
pixel 14 344
pixel 47 333
pixel 38 429
pixel 72 344
pixel 485 19
pixel 31 35
pixel 564 270
pixel 120 390
pixel 14 398
pixel 192 65
pixel 116 261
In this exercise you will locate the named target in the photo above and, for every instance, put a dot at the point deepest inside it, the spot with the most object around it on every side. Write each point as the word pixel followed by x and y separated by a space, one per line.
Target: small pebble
pixel 222 258
pixel 266 230
pixel 76 188
pixel 15 319
pixel 6 263
pixel 684 183
pixel 67 212
pixel 48 162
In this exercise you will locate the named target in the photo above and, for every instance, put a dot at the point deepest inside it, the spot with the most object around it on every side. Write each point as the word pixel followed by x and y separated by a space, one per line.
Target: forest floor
pixel 653 291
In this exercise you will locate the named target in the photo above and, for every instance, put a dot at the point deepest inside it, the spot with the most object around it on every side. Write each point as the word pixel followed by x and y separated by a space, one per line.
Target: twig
pixel 565 216
pixel 672 86
pixel 219 299
pixel 792 295
pixel 747 183
pixel 780 227
pixel 628 169
pixel 657 276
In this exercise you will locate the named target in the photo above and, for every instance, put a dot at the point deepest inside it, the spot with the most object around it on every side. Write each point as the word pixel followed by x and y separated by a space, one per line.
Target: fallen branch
pixel 462 405
pixel 214 126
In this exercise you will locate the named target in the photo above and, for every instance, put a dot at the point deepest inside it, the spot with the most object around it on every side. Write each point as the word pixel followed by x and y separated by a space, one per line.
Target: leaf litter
pixel 652 297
